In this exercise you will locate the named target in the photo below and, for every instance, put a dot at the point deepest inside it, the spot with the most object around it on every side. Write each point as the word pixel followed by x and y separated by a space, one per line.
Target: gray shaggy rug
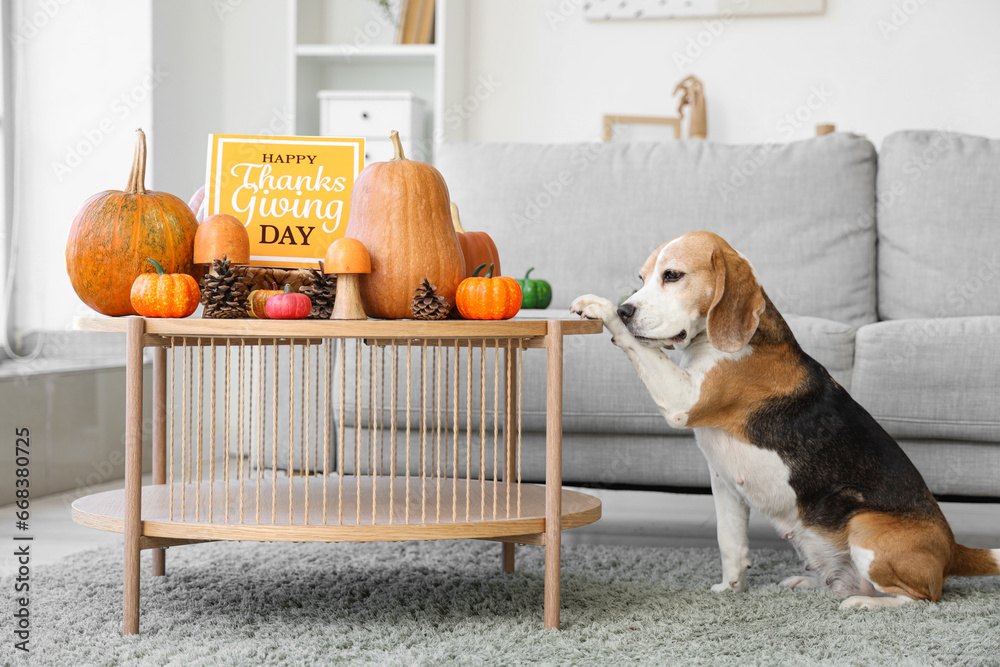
pixel 443 603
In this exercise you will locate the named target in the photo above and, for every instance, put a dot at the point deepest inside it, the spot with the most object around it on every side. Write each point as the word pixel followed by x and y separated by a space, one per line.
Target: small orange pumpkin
pixel 488 298
pixel 257 302
pixel 164 294
pixel 477 247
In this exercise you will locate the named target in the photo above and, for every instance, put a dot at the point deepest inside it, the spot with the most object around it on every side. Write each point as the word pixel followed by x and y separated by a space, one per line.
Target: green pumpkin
pixel 534 293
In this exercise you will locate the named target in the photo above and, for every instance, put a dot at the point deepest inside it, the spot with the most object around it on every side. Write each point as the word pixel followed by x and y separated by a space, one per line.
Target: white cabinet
pixel 373 114
pixel 347 47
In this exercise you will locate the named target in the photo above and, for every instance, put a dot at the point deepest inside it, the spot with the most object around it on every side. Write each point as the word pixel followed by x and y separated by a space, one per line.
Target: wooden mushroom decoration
pixel 221 235
pixel 220 243
pixel 347 257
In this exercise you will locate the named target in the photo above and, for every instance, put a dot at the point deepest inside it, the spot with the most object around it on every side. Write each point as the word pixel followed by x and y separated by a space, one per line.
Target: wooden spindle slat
pixel 291 428
pixel 274 431
pixel 342 373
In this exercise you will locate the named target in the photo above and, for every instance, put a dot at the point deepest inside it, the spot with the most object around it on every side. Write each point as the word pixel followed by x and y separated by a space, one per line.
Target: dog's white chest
pixel 757 475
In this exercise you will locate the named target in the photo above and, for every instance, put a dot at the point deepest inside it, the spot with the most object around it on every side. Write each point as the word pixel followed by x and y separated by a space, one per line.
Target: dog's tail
pixel 966 562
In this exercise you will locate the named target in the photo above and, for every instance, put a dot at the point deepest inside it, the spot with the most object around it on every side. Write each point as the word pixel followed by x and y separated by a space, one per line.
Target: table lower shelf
pixel 366 509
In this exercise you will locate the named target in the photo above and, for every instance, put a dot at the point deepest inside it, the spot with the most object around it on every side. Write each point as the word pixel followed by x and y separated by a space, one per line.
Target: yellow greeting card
pixel 292 193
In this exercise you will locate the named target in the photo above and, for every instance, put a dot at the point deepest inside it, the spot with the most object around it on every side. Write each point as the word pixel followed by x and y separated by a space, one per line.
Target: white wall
pixel 228 69
pixel 87 81
pixel 558 73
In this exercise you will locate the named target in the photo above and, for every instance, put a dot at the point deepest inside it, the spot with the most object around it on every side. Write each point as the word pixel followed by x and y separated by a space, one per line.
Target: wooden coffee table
pixel 435 412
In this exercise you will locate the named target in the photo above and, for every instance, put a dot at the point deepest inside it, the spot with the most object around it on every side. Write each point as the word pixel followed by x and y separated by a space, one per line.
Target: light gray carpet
pixel 447 603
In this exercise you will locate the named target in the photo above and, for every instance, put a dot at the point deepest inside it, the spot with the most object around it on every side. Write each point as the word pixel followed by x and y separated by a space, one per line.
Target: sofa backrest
pixel 587 215
pixel 938 225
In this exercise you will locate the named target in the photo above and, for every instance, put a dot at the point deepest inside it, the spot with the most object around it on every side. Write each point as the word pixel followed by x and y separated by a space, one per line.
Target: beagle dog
pixel 780 435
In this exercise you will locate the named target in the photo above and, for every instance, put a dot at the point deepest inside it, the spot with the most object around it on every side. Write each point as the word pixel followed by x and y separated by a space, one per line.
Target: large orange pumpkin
pixel 115 231
pixel 477 247
pixel 401 212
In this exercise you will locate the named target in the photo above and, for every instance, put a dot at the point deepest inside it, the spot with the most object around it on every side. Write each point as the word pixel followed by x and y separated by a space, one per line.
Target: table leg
pixel 553 471
pixel 159 439
pixel 510 408
pixel 133 472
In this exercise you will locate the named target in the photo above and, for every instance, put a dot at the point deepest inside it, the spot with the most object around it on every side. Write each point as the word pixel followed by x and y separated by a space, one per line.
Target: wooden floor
pixel 642 518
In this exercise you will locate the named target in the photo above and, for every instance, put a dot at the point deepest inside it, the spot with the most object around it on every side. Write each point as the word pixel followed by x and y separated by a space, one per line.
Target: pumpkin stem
pixel 159 269
pixel 528 273
pixel 288 288
pixel 456 221
pixel 489 273
pixel 137 177
pixel 475 274
pixel 397 146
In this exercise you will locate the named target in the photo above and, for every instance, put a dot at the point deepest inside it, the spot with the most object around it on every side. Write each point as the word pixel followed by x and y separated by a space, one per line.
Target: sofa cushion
pixel 828 342
pixel 588 215
pixel 938 225
pixel 931 378
pixel 956 468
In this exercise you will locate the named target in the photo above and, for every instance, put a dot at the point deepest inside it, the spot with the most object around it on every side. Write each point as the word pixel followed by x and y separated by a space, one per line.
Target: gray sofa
pixel 886 266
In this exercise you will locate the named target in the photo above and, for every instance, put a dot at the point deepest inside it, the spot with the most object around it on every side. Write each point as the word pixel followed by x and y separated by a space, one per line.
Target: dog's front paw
pixel 594 308
pixel 730 587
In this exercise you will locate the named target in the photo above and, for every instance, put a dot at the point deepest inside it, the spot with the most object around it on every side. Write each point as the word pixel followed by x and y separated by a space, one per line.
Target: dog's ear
pixel 739 301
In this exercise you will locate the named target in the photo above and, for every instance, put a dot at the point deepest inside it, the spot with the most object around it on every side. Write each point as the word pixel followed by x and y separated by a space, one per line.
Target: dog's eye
pixel 671 276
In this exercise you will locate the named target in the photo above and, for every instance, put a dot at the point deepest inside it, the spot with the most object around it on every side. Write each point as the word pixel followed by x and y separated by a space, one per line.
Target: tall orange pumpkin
pixel 115 231
pixel 401 212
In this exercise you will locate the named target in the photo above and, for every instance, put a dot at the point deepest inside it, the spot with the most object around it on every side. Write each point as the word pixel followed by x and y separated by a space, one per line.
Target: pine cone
pixel 322 290
pixel 223 291
pixel 428 304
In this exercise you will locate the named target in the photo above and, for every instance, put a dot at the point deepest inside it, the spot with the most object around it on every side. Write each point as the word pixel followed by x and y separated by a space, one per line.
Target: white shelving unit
pixel 349 45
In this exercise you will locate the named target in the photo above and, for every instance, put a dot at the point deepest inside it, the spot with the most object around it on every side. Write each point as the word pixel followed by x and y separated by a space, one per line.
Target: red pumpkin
pixel 488 298
pixel 164 294
pixel 114 232
pixel 288 305
pixel 477 247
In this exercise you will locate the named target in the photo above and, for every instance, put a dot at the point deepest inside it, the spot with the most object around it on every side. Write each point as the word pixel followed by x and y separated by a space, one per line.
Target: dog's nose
pixel 626 311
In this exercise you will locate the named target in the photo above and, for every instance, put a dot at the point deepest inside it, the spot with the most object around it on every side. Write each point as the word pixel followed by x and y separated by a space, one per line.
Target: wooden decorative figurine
pixel 347 258
pixel 693 97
